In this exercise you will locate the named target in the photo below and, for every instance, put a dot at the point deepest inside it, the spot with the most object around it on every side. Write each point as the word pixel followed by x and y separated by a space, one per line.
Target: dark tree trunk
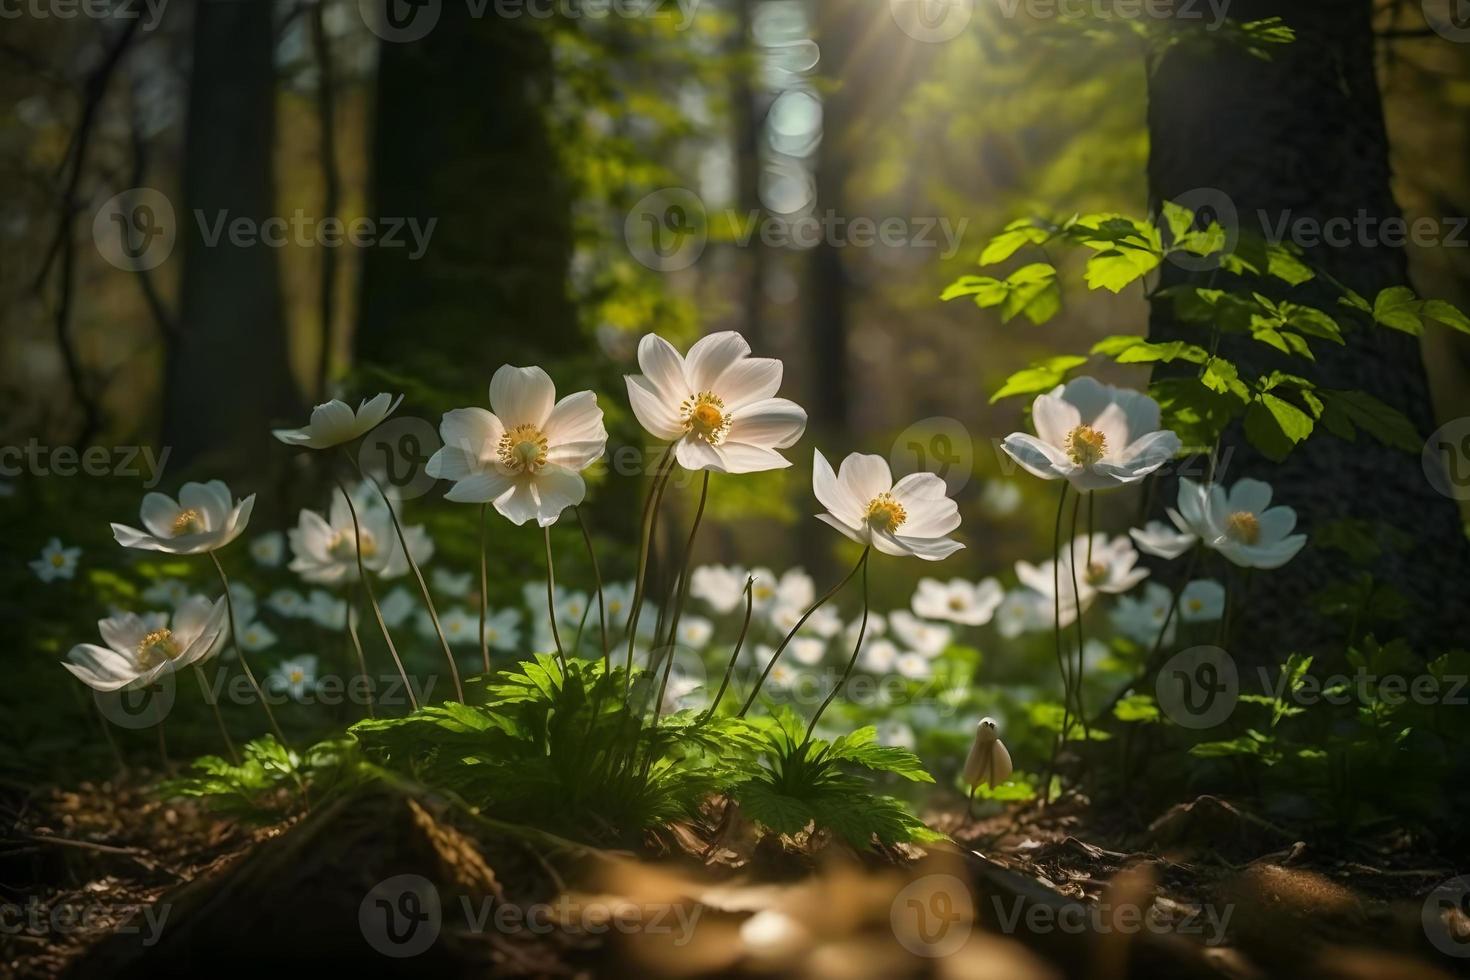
pixel 229 375
pixel 461 138
pixel 1303 135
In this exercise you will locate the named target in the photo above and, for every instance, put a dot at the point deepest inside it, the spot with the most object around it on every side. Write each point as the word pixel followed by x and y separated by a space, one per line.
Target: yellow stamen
pixel 157 647
pixel 188 522
pixel 885 513
pixel 343 545
pixel 1244 527
pixel 704 417
pixel 58 559
pixel 523 449
pixel 1086 445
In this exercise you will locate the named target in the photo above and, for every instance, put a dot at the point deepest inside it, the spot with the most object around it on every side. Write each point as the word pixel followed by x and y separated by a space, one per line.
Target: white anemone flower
pixel 929 639
pixel 878 656
pixel 325 548
pixel 1241 525
pixel 461 628
pixel 717 405
pixel 1140 618
pixel 1022 611
pixel 141 649
pixel 718 586
pixel 1093 435
pixel 1162 541
pixel 988 761
pixel 503 629
pixel 1112 568
pixel 1202 601
pixel 56 561
pixel 808 650
pixel 913 665
pixel 326 610
pixel 166 592
pixel 695 632
pixel 294 677
pixel 286 602
pixel 397 606
pixel 793 588
pixel 617 599
pixel 269 549
pixel 454 586
pixel 334 423
pixel 256 636
pixel 204 518
pixel 958 600
pixel 527 453
pixel 911 517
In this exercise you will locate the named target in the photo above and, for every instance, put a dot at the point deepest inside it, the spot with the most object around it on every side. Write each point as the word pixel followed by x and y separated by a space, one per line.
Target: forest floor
pixel 109 880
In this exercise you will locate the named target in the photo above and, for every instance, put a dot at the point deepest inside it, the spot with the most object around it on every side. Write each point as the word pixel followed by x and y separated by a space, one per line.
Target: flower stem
pixel 650 510
pixel 1056 595
pixel 770 664
pixel 219 719
pixel 1077 598
pixel 168 766
pixel 244 663
pixel 361 658
pixel 852 661
pixel 682 594
pixel 551 598
pixel 367 584
pixel 739 642
pixel 418 574
pixel 484 590
pixel 597 578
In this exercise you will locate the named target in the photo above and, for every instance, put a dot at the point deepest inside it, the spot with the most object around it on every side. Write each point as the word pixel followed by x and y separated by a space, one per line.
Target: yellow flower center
pixel 297 676
pixel 1244 527
pixel 885 513
pixel 763 591
pixel 188 522
pixel 58 559
pixel 343 546
pixel 704 417
pixel 1086 445
pixel 1195 605
pixel 1096 572
pixel 157 647
pixel 956 603
pixel 522 449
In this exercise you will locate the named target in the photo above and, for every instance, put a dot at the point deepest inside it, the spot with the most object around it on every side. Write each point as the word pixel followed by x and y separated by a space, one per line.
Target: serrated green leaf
pixel 1041 376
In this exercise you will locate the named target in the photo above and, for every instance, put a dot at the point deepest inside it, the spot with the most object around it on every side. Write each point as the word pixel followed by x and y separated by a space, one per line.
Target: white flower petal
pixel 1037 457
pixel 774 423
pixel 833 494
pixel 1054 418
pixel 750 379
pixel 711 356
pixel 521 395
pixel 664 368
pixel 1251 496
pixel 866 476
pixel 656 414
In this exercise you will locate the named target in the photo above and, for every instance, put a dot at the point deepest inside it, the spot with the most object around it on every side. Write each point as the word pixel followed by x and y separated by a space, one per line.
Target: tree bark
pixel 228 378
pixel 1302 136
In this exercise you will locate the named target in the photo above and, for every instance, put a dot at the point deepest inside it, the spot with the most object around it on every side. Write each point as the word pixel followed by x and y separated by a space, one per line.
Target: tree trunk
pixel 1302 135
pixel 229 376
pixel 461 139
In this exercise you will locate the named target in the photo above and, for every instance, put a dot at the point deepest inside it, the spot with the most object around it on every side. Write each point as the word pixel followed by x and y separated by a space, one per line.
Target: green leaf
pixel 1446 313
pixel 766 805
pixel 1115 268
pixel 1398 308
pixel 1137 707
pixel 1347 411
pixel 1274 425
pixel 1016 235
pixel 861 748
pixel 1174 350
pixel 1044 375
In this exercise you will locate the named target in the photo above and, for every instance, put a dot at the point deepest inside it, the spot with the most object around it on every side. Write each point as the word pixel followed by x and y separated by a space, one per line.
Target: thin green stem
pixel 551 598
pixel 219 719
pixel 650 511
pixel 1077 598
pixel 679 598
pixel 735 655
pixel 418 574
pixel 852 661
pixel 361 657
pixel 770 664
pixel 1056 593
pixel 484 589
pixel 244 661
pixel 367 585
pixel 597 578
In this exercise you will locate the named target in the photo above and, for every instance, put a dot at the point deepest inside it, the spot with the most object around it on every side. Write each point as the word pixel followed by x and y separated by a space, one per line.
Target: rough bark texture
pixel 1303 135
pixel 460 137
pixel 228 376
